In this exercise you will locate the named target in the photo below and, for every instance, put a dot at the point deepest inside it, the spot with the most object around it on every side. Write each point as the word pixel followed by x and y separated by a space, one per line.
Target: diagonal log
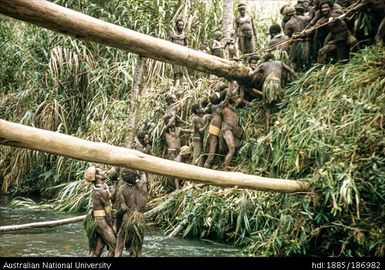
pixel 22 136
pixel 79 25
pixel 59 222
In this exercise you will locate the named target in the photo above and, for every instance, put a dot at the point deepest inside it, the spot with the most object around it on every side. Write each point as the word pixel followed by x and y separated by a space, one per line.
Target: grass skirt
pixel 90 228
pixel 133 228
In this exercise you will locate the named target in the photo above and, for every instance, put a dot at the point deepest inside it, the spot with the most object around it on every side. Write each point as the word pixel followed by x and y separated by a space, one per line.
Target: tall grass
pixel 81 88
pixel 329 131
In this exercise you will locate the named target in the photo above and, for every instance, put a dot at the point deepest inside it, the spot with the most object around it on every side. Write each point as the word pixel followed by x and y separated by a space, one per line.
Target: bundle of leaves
pixel 329 131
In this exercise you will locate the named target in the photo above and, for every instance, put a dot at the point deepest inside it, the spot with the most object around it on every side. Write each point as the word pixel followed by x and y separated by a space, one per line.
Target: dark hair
pixel 268 57
pixel 254 57
pixel 129 176
pixel 179 20
pixel 169 98
pixel 195 108
pixel 299 8
pixel 140 136
pixel 275 28
pixel 328 2
pixel 215 98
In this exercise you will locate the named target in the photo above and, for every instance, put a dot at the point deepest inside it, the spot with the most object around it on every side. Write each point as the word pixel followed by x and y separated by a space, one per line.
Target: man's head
pixel 100 175
pixel 196 108
pixel 215 98
pixel 274 30
pixel 242 9
pixel 283 8
pixel 253 60
pixel 289 11
pixel 185 151
pixel 299 9
pixel 143 138
pixel 268 57
pixel 170 98
pixel 218 35
pixel 179 24
pixel 113 174
pixel 129 176
pixel 89 174
pixel 326 7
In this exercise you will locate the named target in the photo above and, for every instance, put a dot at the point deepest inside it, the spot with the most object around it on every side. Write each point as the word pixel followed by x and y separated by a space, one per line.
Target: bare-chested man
pixel 299 52
pixel 244 27
pixel 172 136
pixel 200 123
pixel 172 109
pixel 102 212
pixel 230 130
pixel 272 76
pixel 215 125
pixel 132 196
pixel 278 41
pixel 337 37
pixel 179 37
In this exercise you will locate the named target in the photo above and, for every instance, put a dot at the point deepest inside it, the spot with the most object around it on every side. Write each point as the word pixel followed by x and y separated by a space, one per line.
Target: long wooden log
pixel 18 135
pixel 43 224
pixel 79 25
pixel 59 222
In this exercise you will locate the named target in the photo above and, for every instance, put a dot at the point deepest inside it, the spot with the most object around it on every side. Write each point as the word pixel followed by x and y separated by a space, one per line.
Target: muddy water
pixel 71 240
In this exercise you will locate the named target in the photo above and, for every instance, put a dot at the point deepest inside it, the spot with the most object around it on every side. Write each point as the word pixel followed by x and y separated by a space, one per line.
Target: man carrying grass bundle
pixel 99 226
pixel 132 198
pixel 271 76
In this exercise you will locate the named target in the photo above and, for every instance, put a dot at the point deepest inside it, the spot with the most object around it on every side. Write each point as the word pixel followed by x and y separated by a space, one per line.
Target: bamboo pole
pixel 22 136
pixel 43 224
pixel 59 222
pixel 79 25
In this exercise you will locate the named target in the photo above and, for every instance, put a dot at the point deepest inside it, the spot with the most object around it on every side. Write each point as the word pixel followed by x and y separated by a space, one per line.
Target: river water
pixel 70 240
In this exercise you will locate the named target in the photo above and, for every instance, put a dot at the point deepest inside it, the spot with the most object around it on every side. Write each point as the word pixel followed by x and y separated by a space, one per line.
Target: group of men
pixel 116 219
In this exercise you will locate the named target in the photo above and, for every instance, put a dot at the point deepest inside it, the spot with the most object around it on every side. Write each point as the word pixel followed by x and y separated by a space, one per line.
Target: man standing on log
pixel 102 213
pixel 245 30
pixel 132 197
pixel 179 37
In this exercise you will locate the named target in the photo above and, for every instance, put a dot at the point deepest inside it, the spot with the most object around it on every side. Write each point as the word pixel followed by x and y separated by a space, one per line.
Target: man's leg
pixel 229 139
pixel 98 247
pixel 213 143
pixel 107 234
pixel 119 243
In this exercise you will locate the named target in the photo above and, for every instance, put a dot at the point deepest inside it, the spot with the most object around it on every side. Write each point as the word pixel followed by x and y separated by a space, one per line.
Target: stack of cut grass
pixel 329 131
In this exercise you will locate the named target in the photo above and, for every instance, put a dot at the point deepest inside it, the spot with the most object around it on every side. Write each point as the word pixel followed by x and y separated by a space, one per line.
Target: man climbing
pixel 200 123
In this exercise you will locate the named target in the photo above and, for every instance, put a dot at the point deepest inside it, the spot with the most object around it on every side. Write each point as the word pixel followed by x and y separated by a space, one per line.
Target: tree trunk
pixel 18 135
pixel 44 224
pixel 53 223
pixel 135 93
pixel 228 17
pixel 79 25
